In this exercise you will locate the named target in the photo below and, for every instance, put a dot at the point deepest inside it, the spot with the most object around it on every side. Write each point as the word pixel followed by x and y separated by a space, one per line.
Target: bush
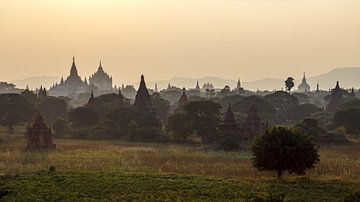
pixel 284 149
pixel 60 127
pixel 147 134
pixel 230 144
pixel 353 197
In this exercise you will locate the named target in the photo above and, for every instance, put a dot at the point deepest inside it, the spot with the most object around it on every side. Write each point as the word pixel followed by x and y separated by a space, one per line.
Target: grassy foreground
pixel 106 186
pixel 112 170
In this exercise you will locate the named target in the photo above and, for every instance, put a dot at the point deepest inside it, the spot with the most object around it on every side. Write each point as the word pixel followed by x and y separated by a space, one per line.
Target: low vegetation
pixel 116 170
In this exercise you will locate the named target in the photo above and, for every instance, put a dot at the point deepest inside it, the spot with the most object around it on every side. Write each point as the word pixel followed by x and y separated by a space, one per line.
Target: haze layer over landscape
pixel 250 39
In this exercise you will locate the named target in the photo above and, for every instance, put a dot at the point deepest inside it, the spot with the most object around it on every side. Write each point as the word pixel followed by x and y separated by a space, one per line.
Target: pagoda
pixel 39 135
pixel 304 87
pixel 143 98
pixel 101 79
pixel 72 85
pixel 229 127
pixel 336 99
pixel 182 101
pixel 91 101
pixel 252 125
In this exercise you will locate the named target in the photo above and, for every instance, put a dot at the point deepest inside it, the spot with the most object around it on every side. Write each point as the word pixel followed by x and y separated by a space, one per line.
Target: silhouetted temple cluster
pixel 250 128
pixel 73 84
pixel 39 135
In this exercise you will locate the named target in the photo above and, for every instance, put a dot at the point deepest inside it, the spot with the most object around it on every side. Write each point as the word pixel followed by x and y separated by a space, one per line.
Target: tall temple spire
pixel 336 99
pixel 352 93
pixel 100 67
pixel 73 71
pixel 238 84
pixel 317 88
pixel 91 101
pixel 229 127
pixel 197 86
pixel 183 100
pixel 143 99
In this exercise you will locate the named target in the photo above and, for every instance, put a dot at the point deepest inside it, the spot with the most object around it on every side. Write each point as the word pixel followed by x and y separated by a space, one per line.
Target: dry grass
pixel 337 162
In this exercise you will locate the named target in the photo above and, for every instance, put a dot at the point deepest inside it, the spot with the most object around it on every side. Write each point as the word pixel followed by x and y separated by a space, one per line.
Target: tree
pixel 280 99
pixel 204 117
pixel 295 113
pixel 162 106
pixel 119 122
pixel 30 96
pixel 15 109
pixel 289 83
pixel 52 108
pixel 60 127
pixel 83 117
pixel 179 127
pixel 283 149
pixel 349 118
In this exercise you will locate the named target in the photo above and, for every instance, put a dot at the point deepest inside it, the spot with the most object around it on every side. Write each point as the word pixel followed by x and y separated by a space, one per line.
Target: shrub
pixel 284 149
pixel 230 144
pixel 60 127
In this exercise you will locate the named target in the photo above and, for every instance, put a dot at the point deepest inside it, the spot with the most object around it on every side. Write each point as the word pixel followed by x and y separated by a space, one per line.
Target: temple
pixel 238 88
pixel 336 99
pixel 143 98
pixel 352 93
pixel 101 79
pixel 197 88
pixel 229 127
pixel 91 101
pixel 182 101
pixel 304 87
pixel 252 125
pixel 39 136
pixel 72 85
pixel 42 92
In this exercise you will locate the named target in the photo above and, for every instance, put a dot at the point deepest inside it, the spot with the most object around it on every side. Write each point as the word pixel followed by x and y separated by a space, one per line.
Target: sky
pixel 250 39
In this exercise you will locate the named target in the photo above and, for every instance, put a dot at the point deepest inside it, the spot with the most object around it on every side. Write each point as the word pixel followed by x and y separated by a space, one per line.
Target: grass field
pixel 111 170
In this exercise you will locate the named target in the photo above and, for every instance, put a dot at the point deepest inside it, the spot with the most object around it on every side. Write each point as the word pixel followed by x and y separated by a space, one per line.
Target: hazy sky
pixel 250 39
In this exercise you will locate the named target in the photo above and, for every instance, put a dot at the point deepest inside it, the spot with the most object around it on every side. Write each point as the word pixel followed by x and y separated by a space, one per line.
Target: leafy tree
pixel 118 121
pixel 224 101
pixel 60 127
pixel 225 91
pixel 289 83
pixel 83 117
pixel 162 106
pixel 30 96
pixel 204 117
pixel 349 118
pixel 52 108
pixel 179 127
pixel 283 149
pixel 264 108
pixel 108 102
pixel 302 98
pixel 280 99
pixel 15 109
pixel 294 113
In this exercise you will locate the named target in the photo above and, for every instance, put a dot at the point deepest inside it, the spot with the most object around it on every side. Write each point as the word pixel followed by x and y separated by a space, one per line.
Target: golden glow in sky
pixel 250 39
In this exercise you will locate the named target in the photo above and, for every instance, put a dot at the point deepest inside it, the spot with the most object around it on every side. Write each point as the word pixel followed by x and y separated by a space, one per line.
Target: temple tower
pixel 229 127
pixel 39 135
pixel 252 125
pixel 143 98
pixel 182 101
pixel 336 99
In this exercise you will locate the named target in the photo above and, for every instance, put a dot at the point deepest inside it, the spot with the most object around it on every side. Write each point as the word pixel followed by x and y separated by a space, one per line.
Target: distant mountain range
pixel 35 82
pixel 348 77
